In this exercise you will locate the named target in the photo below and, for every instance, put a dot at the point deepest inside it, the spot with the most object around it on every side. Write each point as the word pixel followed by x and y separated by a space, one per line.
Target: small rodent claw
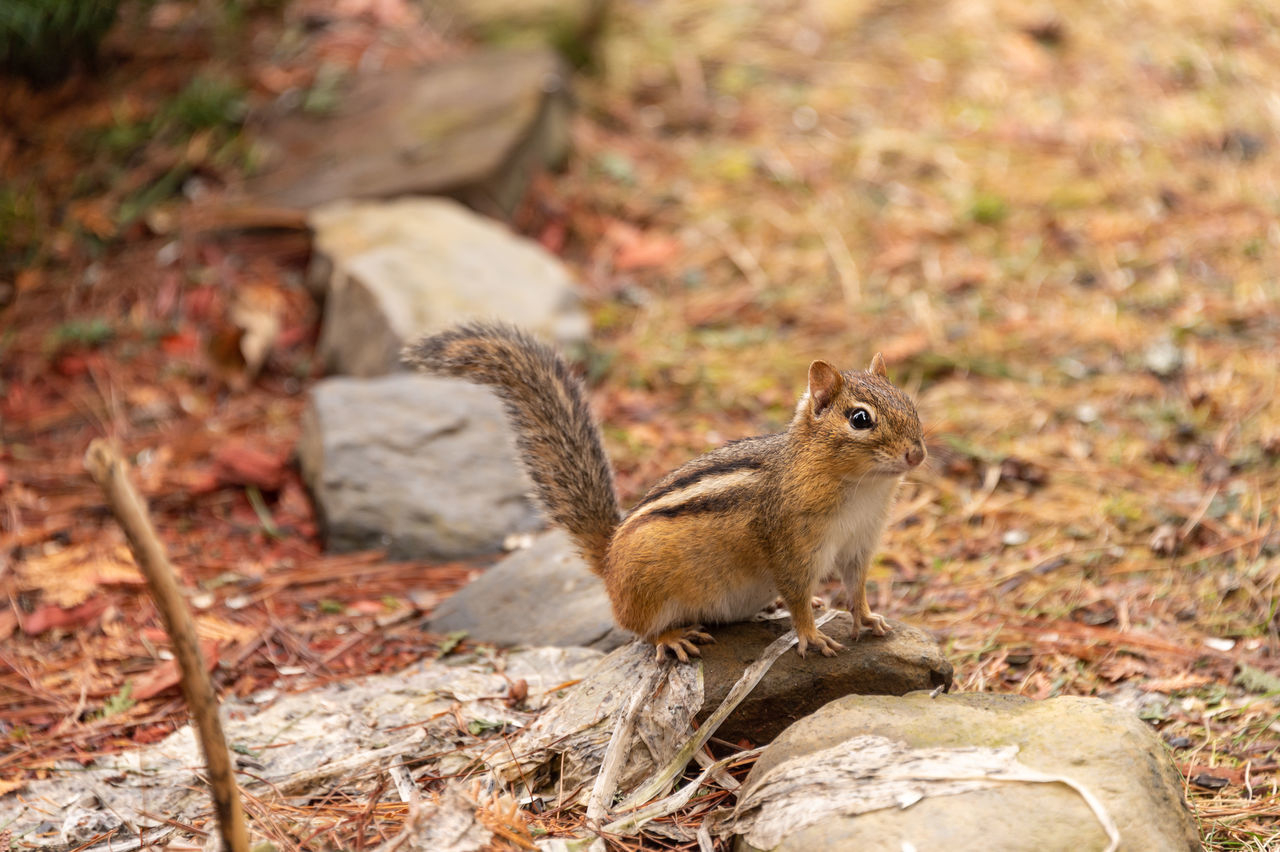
pixel 877 624
pixel 824 643
pixel 817 602
pixel 682 643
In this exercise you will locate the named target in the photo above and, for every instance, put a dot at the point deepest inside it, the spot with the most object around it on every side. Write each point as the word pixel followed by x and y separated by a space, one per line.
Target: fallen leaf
pixel 49 616
pixel 68 577
pixel 183 342
pixel 8 785
pixel 1212 777
pixel 240 463
pixel 166 675
pixel 1121 668
pixel 636 249
pixel 366 607
pixel 1185 680
pixel 257 312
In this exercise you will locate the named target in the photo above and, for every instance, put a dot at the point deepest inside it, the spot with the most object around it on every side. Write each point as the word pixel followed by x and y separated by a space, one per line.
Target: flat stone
pixel 422 467
pixel 338 733
pixel 1109 751
pixel 543 595
pixel 395 270
pixel 905 660
pixel 476 128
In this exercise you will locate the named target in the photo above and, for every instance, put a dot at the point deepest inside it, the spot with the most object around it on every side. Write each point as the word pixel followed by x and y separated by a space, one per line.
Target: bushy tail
pixel 558 441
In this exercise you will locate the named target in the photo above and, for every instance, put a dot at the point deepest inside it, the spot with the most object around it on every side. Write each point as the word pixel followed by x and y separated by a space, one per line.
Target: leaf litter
pixel 1065 240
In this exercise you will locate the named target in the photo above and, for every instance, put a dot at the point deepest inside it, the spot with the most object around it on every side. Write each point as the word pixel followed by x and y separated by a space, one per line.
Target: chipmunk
pixel 724 535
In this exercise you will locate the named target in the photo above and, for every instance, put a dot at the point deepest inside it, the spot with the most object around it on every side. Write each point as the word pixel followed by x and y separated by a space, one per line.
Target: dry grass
pixel 1061 230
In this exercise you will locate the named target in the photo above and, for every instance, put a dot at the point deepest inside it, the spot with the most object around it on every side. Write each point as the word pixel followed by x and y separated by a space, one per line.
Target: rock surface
pixel 476 128
pixel 1111 752
pixel 339 735
pixel 420 466
pixel 395 270
pixel 906 660
pixel 544 595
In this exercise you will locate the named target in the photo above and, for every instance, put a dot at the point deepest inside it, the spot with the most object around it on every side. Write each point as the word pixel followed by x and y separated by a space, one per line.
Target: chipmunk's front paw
pixel 682 642
pixel 878 623
pixel 819 640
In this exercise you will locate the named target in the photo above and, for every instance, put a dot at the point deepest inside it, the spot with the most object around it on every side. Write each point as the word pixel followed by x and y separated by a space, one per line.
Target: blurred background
pixel 1060 223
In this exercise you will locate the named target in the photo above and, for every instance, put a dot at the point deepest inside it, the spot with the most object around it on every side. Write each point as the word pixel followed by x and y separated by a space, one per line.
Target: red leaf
pixel 165 676
pixel 184 342
pixel 148 734
pixel 554 236
pixel 647 250
pixel 49 616
pixel 242 464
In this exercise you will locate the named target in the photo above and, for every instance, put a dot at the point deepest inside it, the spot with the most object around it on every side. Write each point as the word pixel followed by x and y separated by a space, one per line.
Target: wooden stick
pixel 661 782
pixel 108 470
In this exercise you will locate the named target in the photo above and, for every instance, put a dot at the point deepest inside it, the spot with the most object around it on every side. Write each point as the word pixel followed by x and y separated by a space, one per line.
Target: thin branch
pixel 108 470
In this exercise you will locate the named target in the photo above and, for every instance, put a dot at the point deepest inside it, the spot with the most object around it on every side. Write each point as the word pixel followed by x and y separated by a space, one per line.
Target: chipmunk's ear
pixel 825 382
pixel 877 366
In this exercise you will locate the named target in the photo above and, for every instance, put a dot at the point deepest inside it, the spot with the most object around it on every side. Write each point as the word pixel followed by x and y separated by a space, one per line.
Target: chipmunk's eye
pixel 860 418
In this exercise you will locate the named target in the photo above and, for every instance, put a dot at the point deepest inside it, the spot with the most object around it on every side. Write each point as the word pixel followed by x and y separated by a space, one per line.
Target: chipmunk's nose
pixel 915 454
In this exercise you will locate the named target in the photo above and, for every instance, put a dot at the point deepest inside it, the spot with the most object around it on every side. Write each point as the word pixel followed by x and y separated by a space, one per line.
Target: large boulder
pixel 395 270
pixel 1108 751
pixel 422 467
pixel 476 128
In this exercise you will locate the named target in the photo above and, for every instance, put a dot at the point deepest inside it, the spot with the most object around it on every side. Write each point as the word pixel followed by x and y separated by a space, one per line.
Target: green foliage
pixel 88 333
pixel 119 702
pixel 42 40
pixel 451 641
pixel 18 223
pixel 988 209
pixel 206 102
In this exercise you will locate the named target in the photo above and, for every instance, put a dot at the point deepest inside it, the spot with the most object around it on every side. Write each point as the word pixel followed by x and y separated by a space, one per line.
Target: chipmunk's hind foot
pixel 682 642
pixel 877 623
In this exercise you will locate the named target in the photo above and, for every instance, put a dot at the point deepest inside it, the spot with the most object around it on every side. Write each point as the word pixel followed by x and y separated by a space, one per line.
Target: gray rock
pixel 544 595
pixel 420 466
pixel 1109 751
pixel 476 128
pixel 907 659
pixel 399 269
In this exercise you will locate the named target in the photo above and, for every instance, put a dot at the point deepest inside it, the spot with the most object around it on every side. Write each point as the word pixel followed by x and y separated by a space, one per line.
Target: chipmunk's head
pixel 871 425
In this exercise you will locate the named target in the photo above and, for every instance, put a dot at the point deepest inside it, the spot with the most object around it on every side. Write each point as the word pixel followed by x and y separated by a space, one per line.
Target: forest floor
pixel 1060 229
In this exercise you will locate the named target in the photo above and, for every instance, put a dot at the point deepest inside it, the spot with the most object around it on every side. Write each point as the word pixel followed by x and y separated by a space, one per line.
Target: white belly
pixel 855 526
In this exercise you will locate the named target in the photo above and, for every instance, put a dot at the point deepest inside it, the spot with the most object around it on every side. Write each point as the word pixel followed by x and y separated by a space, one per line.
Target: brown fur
pixel 558 441
pixel 724 534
